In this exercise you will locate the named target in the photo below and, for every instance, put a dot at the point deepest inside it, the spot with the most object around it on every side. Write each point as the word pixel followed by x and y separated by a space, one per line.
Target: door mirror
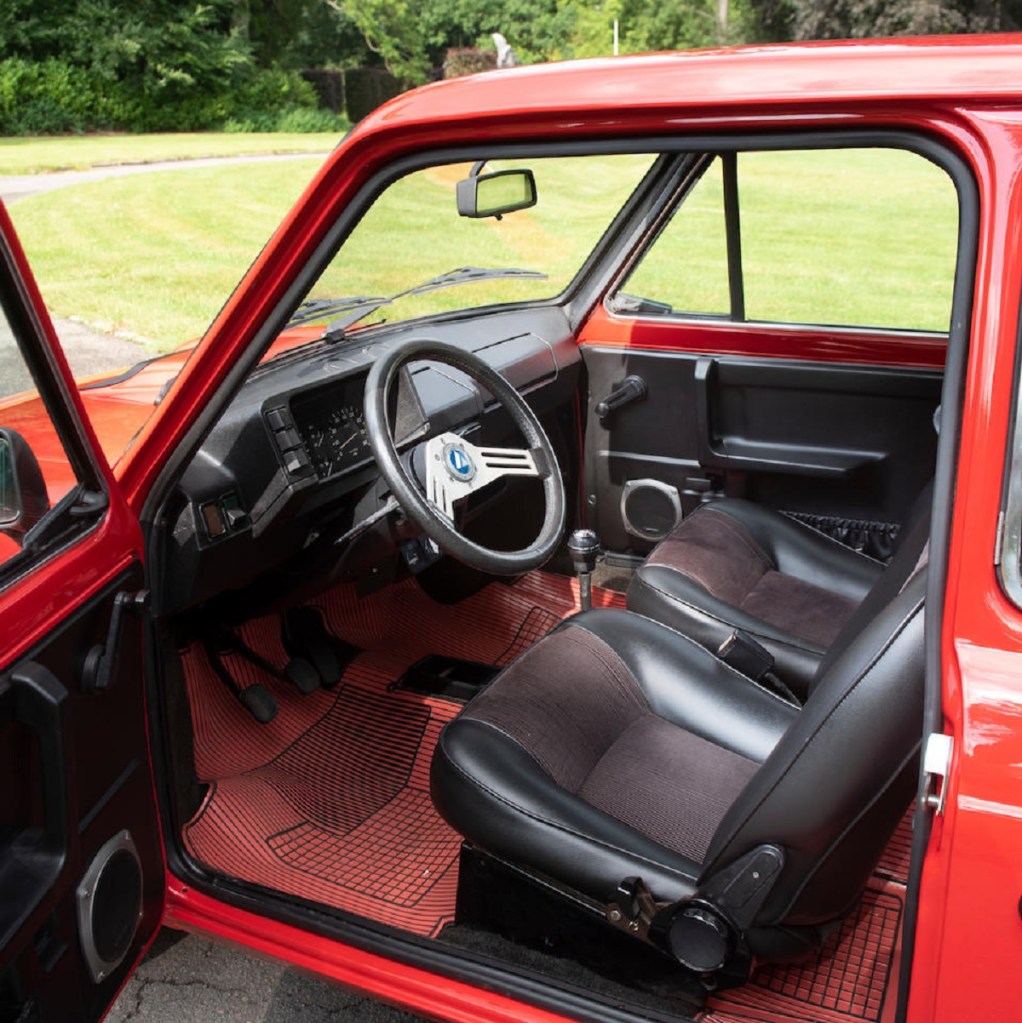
pixel 23 497
pixel 493 195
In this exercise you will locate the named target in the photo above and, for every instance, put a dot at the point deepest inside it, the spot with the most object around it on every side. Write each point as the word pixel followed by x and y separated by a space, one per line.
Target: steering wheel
pixel 456 468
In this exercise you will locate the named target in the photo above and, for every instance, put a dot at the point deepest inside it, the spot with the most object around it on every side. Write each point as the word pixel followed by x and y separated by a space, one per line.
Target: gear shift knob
pixel 585 550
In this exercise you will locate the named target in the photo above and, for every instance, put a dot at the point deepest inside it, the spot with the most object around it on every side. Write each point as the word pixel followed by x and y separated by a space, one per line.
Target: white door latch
pixel 936 768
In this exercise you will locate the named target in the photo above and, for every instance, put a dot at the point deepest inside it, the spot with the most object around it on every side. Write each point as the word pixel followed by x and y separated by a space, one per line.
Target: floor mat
pixel 848 978
pixel 330 800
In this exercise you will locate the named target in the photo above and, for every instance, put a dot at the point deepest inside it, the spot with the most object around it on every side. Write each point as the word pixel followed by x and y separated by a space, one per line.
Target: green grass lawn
pixel 39 155
pixel 155 255
pixel 848 238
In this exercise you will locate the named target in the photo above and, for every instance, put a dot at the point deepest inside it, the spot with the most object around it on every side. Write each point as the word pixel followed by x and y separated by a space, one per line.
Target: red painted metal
pixel 969 934
pixel 409 987
pixel 969 930
pixel 966 94
pixel 605 329
pixel 32 606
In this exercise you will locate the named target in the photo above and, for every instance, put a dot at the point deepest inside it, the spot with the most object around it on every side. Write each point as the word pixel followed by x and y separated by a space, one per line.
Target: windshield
pixel 412 234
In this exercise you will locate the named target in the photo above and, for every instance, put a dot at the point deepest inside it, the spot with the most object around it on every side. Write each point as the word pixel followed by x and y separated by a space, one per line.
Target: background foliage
pixel 173 65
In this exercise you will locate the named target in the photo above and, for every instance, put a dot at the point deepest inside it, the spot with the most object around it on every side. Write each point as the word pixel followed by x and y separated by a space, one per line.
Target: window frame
pixel 727 151
pixel 84 505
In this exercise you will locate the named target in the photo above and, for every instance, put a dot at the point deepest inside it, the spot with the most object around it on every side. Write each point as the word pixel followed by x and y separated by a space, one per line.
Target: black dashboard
pixel 288 469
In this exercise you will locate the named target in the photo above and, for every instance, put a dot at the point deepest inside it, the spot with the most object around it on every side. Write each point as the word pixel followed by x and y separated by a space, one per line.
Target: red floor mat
pixel 846 981
pixel 330 801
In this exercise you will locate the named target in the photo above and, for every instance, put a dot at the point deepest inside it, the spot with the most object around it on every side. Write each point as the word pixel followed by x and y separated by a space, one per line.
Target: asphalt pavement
pixel 185 979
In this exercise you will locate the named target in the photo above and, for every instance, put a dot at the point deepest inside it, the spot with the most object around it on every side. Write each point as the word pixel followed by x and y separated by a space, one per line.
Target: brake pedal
pixel 259 702
pixel 298 671
pixel 306 638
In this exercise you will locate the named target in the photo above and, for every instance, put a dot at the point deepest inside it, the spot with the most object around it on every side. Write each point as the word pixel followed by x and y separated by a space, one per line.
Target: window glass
pixel 859 237
pixel 687 267
pixel 850 237
pixel 35 472
pixel 413 233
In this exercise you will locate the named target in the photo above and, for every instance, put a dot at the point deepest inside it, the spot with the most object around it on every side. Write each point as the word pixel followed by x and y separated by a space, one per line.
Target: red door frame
pixel 965 894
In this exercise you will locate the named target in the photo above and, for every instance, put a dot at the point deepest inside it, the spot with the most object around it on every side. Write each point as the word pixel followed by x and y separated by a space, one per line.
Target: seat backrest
pixel 836 785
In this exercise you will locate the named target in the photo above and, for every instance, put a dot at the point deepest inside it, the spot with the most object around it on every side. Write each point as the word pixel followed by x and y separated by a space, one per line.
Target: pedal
pixel 259 702
pixel 303 675
pixel 306 638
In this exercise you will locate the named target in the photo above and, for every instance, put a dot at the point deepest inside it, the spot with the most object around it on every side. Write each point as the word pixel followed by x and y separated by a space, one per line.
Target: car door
pixel 82 872
pixel 781 338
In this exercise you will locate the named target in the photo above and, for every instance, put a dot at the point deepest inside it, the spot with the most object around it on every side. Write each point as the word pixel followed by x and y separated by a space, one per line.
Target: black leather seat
pixel 618 747
pixel 733 564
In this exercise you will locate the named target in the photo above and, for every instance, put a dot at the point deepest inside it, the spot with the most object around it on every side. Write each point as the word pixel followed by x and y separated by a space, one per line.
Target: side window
pixel 36 474
pixel 686 268
pixel 839 237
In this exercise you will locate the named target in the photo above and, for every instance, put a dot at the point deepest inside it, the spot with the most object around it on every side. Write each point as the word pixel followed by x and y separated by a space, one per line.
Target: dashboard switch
pixel 288 438
pixel 234 514
pixel 279 419
pixel 213 519
pixel 295 461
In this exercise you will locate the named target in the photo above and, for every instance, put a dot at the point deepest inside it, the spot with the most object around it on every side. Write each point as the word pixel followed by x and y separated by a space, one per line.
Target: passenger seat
pixel 733 565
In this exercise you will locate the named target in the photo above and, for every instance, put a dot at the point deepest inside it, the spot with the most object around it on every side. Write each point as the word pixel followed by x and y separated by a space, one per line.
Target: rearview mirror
pixel 493 195
pixel 23 497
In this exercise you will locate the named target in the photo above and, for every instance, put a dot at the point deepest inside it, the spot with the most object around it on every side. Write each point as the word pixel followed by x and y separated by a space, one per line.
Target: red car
pixel 297 651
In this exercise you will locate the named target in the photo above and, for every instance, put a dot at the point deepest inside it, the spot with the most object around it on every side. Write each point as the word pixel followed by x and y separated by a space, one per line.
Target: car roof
pixel 983 69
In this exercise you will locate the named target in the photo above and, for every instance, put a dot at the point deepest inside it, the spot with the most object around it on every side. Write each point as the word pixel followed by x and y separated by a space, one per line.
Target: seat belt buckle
pixel 741 652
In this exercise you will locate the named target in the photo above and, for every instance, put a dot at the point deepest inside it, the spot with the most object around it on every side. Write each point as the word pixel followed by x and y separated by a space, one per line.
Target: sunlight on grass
pixel 851 237
pixel 70 152
pixel 413 233
pixel 156 255
pixel 857 237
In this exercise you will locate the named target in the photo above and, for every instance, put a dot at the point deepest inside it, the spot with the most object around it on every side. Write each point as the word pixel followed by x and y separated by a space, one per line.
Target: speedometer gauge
pixel 332 424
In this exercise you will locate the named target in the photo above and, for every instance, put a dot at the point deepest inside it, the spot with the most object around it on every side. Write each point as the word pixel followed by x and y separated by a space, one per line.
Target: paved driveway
pixel 18 186
pixel 188 980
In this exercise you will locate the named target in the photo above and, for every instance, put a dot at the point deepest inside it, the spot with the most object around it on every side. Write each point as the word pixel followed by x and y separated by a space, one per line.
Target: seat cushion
pixel 613 747
pixel 732 564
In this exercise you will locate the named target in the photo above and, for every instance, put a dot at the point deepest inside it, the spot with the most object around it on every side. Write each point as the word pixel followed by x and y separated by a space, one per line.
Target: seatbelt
pixel 741 652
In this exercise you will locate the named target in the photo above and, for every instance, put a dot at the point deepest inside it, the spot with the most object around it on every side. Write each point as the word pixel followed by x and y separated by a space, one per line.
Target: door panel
pixel 70 938
pixel 82 872
pixel 826 441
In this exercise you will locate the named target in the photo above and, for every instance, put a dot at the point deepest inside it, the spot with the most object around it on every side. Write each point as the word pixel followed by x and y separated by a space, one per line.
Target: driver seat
pixel 616 748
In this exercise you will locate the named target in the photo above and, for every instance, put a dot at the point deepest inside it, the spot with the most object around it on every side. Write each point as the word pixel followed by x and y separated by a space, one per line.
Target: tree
pixel 857 19
pixel 390 29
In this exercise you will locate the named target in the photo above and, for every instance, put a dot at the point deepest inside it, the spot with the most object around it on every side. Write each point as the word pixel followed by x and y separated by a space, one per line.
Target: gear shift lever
pixel 585 550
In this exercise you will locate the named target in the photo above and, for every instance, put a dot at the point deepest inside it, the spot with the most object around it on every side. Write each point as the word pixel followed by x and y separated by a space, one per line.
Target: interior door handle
pixel 632 388
pixel 755 455
pixel 32 859
pixel 704 375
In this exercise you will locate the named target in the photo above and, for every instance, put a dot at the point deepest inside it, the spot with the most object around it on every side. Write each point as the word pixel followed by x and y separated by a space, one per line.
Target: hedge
pixel 54 97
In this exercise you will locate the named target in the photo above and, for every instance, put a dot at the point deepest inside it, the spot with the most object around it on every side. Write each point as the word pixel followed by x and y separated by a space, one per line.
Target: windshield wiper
pixel 352 309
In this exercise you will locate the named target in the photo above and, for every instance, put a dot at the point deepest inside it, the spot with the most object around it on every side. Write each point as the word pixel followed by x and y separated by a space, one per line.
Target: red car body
pixel 964 93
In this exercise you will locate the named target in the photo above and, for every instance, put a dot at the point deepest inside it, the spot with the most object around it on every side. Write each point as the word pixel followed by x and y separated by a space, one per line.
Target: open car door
pixel 81 858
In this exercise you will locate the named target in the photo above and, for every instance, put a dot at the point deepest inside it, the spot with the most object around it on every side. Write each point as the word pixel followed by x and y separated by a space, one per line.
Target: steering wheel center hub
pixel 458 462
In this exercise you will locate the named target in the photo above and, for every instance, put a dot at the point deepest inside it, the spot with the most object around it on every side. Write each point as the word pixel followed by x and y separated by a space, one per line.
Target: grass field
pixel 849 238
pixel 155 255
pixel 39 155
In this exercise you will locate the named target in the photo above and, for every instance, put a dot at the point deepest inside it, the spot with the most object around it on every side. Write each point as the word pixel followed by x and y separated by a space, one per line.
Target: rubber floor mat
pixel 330 800
pixel 848 979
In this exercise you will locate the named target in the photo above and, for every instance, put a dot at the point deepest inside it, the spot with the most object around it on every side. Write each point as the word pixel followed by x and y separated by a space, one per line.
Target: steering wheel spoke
pixel 456 468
